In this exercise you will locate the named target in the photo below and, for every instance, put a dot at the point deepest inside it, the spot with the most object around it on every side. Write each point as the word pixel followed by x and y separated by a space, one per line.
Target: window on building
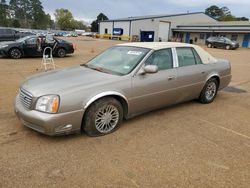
pixel 185 57
pixel 106 31
pixel 202 36
pixel 208 35
pixel 161 58
pixel 234 37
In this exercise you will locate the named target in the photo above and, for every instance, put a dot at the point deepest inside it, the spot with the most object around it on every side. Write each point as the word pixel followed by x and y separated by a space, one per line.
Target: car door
pixel 30 47
pixel 150 91
pixel 191 73
pixel 221 42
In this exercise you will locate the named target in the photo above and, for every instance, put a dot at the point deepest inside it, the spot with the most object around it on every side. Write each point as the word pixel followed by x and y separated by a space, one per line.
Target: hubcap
pixel 15 53
pixel 61 53
pixel 210 91
pixel 106 118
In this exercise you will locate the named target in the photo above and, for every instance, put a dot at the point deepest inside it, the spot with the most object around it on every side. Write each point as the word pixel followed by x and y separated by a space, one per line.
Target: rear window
pixel 185 56
pixel 6 31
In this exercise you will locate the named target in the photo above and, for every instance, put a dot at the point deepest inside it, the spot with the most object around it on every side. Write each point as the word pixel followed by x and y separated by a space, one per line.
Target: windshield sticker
pixel 134 53
pixel 126 67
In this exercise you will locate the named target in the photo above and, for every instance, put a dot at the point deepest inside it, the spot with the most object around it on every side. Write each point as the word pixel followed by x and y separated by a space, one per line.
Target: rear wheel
pixel 103 117
pixel 209 91
pixel 209 45
pixel 15 53
pixel 228 47
pixel 61 52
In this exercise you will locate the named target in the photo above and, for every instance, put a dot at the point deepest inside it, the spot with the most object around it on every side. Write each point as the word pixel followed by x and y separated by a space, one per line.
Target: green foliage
pixel 223 14
pixel 3 13
pixel 15 23
pixel 66 21
pixel 30 14
pixel 94 24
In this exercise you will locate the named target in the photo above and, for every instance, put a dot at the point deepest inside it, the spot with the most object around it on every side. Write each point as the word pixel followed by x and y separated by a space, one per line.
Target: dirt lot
pixel 187 145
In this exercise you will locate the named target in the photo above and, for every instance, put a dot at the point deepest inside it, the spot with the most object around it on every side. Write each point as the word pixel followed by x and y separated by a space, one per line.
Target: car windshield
pixel 23 39
pixel 119 60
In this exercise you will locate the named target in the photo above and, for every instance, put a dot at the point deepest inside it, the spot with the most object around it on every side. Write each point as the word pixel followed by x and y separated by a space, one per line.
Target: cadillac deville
pixel 124 81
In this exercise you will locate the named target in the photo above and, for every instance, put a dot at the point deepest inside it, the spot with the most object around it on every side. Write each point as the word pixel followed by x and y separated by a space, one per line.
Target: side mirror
pixel 149 69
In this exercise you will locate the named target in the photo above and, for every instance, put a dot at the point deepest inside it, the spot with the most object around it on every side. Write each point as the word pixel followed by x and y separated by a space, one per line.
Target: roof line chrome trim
pixel 103 94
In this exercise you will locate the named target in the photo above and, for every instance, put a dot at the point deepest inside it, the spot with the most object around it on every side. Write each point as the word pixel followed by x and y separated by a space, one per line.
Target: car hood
pixel 69 79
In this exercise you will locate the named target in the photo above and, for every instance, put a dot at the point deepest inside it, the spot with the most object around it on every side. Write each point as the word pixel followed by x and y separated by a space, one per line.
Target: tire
pixel 209 45
pixel 209 91
pixel 15 53
pixel 98 121
pixel 61 52
pixel 228 47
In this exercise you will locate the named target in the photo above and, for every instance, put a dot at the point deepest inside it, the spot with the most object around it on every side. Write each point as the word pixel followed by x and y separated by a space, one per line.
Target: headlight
pixel 48 103
pixel 4 46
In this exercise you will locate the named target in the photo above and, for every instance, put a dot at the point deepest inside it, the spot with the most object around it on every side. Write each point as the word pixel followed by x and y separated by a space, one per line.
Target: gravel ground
pixel 186 145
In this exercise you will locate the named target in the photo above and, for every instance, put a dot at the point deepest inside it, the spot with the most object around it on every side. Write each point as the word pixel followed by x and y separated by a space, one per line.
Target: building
pixel 237 30
pixel 189 27
pixel 150 28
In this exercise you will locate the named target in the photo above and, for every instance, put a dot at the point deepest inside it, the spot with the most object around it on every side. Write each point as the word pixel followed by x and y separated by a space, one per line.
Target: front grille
pixel 25 98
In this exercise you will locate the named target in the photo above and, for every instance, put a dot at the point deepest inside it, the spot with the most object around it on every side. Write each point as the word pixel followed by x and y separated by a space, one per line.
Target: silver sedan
pixel 122 82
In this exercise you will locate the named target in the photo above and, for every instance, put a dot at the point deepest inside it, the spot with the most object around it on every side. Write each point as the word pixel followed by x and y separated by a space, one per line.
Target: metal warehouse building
pixel 195 27
pixel 150 28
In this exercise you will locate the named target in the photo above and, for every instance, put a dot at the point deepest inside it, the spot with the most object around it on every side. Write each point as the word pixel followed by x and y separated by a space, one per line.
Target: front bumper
pixel 49 124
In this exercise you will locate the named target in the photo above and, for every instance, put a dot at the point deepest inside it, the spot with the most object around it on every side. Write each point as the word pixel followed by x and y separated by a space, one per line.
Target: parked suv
pixel 7 34
pixel 221 42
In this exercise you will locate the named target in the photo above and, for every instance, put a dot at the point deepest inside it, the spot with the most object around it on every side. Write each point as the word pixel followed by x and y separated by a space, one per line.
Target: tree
pixel 223 14
pixel 22 10
pixel 214 11
pixel 94 24
pixel 4 13
pixel 15 23
pixel 40 20
pixel 64 19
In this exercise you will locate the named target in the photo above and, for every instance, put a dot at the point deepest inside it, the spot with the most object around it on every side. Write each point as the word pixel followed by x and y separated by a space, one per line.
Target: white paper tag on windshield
pixel 134 53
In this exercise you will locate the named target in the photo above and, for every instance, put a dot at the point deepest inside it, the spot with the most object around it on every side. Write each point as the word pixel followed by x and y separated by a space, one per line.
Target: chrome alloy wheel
pixel 210 91
pixel 15 53
pixel 106 118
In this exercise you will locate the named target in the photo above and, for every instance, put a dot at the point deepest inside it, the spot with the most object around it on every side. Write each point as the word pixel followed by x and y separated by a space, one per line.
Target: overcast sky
pixel 87 10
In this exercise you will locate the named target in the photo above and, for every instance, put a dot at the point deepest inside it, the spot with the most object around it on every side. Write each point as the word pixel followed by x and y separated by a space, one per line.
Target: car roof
pixel 205 56
pixel 156 45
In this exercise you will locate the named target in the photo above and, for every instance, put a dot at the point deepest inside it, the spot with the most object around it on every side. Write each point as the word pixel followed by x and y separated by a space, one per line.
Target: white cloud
pixel 88 9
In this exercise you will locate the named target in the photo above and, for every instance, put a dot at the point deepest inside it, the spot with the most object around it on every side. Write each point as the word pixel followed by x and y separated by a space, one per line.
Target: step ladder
pixel 48 61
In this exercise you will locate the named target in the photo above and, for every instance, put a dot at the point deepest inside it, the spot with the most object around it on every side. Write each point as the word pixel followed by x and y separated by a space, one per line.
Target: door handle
pixel 171 77
pixel 203 72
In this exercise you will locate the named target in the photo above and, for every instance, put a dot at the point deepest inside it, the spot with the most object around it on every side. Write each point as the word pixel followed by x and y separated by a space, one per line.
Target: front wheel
pixel 103 117
pixel 209 91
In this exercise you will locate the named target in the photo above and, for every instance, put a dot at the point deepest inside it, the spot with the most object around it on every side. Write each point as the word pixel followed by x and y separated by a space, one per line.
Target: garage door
pixel 163 31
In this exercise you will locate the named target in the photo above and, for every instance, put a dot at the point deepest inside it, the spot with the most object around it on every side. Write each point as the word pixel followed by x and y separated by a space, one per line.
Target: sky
pixel 87 10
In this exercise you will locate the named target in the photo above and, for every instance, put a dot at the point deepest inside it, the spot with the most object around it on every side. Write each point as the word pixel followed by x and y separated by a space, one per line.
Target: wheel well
pixel 61 48
pixel 14 48
pixel 217 78
pixel 118 98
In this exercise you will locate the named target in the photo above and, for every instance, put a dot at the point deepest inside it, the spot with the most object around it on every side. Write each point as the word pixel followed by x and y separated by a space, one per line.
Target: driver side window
pixel 162 58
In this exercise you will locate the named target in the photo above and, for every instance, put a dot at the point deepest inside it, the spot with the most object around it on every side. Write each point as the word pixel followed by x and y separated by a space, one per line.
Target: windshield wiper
pixel 94 68
pixel 102 70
